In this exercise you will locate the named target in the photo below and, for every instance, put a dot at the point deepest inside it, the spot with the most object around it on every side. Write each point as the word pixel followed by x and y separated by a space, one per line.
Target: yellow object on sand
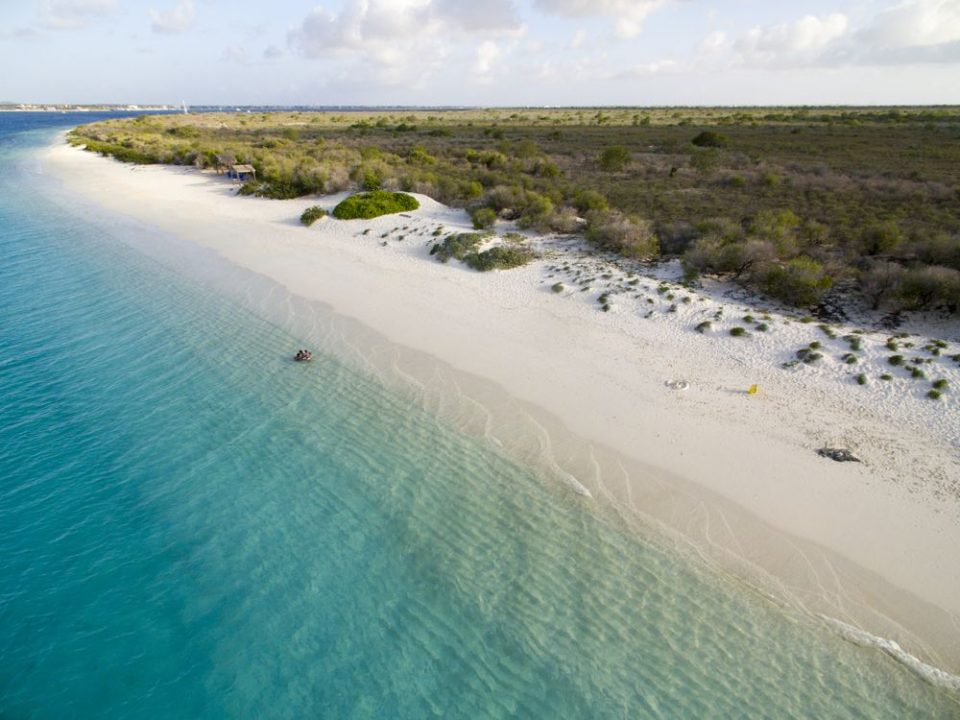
pixel 753 390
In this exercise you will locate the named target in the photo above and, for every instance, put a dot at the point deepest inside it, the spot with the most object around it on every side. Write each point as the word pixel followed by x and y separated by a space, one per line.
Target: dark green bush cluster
pixel 711 139
pixel 121 153
pixel 801 281
pixel 615 158
pixel 463 247
pixel 500 257
pixel 374 204
pixel 483 218
pixel 457 246
pixel 312 214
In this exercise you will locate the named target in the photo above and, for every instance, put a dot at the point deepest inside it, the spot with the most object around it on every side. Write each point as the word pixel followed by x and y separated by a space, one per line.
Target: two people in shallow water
pixel 303 355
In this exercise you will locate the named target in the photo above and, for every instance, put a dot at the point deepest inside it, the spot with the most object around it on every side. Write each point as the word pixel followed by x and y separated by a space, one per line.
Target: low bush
pixel 457 246
pixel 557 287
pixel 940 384
pixel 704 326
pixel 374 204
pixel 711 139
pixel 614 158
pixel 312 214
pixel 500 257
pixel 483 218
pixel 464 246
pixel 628 236
pixel 738 331
pixel 801 281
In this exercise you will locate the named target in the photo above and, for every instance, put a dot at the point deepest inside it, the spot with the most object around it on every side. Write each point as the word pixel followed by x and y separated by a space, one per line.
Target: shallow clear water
pixel 191 525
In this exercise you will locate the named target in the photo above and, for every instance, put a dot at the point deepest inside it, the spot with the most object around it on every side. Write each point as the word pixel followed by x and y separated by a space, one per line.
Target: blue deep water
pixel 192 526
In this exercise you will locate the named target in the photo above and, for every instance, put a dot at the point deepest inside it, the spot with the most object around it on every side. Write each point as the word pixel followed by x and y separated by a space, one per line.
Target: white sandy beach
pixel 873 544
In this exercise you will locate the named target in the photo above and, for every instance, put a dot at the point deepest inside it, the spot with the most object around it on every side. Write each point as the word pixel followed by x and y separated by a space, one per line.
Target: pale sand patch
pixel 872 544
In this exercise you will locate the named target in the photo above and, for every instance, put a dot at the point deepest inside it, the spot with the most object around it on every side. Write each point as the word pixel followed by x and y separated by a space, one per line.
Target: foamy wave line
pixel 933 675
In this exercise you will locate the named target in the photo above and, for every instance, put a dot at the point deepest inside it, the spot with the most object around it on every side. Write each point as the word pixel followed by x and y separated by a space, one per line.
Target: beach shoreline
pixel 736 476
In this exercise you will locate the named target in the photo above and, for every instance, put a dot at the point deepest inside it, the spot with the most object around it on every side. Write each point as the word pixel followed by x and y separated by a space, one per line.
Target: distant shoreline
pixel 738 476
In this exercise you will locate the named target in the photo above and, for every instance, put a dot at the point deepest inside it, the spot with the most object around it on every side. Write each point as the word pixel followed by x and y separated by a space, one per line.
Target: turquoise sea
pixel 193 526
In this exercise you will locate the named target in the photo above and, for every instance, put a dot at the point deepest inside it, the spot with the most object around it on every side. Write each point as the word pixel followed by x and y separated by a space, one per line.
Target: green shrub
pixel 586 200
pixel 895 360
pixel 709 138
pixel 536 212
pixel 738 331
pixel 500 257
pixel 801 281
pixel 933 394
pixel 940 384
pixel 931 286
pixel 457 246
pixel 886 376
pixel 614 158
pixel 483 218
pixel 374 204
pixel 861 379
pixel 763 327
pixel 880 238
pixel 629 236
pixel 704 326
pixel 312 214
pixel 557 287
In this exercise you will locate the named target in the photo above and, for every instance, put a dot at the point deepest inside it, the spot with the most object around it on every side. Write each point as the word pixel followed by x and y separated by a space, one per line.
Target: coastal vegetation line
pixel 797 203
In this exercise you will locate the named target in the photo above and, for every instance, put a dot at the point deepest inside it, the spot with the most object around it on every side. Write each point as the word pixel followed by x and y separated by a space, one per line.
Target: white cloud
pixel 365 22
pixel 628 14
pixel 714 42
pixel 658 67
pixel 801 42
pixel 918 31
pixel 173 21
pixel 73 13
pixel 578 39
pixel 396 42
pixel 487 54
pixel 919 23
pixel 909 33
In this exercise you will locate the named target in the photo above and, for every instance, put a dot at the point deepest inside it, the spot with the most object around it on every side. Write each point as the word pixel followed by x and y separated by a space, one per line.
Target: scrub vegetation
pixel 373 204
pixel 799 204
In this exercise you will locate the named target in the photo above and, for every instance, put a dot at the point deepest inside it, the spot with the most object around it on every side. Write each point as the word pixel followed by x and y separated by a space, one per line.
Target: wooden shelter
pixel 223 162
pixel 242 172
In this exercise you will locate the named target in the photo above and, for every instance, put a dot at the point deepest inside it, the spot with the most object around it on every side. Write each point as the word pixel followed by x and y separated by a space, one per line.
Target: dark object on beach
pixel 303 356
pixel 838 454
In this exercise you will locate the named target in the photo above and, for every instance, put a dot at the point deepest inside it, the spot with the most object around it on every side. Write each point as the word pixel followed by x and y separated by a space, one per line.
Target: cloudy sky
pixel 481 52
